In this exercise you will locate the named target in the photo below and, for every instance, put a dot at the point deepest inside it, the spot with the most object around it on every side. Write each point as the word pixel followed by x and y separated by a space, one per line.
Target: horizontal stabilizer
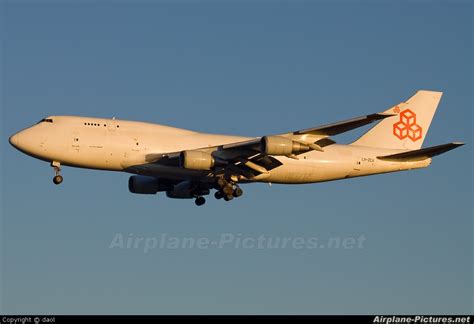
pixel 421 154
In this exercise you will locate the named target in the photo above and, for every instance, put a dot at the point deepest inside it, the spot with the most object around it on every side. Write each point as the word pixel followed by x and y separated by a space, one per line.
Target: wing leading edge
pixel 344 126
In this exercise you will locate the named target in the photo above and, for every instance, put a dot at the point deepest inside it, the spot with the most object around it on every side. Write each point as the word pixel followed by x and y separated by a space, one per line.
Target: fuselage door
pixel 75 141
pixel 112 125
pixel 358 164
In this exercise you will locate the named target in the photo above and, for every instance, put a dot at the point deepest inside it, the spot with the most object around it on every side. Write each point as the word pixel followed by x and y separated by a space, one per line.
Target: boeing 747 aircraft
pixel 188 164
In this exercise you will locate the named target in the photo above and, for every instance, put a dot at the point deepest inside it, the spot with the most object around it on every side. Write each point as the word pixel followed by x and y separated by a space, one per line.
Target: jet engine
pixel 277 145
pixel 196 160
pixel 145 185
pixel 186 190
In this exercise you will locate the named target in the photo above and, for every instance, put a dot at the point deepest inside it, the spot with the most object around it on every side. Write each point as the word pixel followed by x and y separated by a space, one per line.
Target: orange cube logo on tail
pixel 407 126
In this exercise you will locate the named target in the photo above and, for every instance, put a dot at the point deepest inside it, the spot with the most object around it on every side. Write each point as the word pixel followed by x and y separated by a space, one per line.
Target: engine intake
pixel 196 160
pixel 277 145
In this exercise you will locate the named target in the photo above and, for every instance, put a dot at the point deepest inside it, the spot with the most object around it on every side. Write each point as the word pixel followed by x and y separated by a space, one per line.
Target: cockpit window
pixel 46 120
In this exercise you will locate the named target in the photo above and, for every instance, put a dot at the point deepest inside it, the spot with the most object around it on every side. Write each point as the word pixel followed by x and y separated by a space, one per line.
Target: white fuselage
pixel 130 146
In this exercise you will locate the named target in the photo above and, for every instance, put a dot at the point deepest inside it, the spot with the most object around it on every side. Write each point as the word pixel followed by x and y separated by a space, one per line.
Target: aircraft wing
pixel 255 157
pixel 344 126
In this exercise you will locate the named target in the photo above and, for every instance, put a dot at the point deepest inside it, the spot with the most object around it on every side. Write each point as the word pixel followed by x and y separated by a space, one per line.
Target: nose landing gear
pixel 58 179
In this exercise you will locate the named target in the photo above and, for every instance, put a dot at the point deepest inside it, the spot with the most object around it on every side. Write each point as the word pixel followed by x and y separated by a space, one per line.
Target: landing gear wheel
pixel 58 179
pixel 221 182
pixel 238 192
pixel 228 190
pixel 200 201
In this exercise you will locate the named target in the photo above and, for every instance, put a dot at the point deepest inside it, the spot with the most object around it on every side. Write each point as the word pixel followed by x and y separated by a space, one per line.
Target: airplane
pixel 187 165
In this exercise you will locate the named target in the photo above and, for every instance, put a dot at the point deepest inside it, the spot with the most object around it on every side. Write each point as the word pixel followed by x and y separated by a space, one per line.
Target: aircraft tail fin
pixel 408 128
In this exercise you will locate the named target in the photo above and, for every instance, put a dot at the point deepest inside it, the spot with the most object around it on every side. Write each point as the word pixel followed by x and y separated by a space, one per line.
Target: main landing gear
pixel 58 179
pixel 200 201
pixel 227 190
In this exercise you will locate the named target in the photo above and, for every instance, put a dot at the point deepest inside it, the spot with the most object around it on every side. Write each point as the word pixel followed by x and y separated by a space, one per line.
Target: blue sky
pixel 244 68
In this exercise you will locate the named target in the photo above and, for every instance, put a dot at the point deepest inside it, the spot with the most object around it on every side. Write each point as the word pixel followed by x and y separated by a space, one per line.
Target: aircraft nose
pixel 15 140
